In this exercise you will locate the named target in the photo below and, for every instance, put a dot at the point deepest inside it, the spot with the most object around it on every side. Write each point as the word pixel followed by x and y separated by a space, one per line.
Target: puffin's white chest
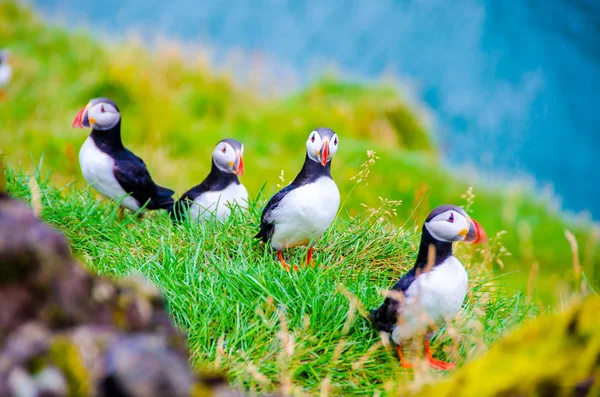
pixel 432 297
pixel 305 213
pixel 206 204
pixel 97 168
pixel 5 74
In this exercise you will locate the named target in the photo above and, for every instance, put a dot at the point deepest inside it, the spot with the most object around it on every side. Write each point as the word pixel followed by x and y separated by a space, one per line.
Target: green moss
pixel 550 355
pixel 65 355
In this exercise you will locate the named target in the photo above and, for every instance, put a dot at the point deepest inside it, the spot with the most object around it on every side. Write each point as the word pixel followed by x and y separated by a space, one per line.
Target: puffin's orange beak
pixel 82 120
pixel 239 166
pixel 476 233
pixel 324 152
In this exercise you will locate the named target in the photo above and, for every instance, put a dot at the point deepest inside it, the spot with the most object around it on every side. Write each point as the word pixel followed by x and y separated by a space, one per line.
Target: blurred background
pixel 501 96
pixel 511 86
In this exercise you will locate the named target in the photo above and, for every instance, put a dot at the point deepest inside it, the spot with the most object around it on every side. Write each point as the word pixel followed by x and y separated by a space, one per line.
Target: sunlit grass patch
pixel 303 331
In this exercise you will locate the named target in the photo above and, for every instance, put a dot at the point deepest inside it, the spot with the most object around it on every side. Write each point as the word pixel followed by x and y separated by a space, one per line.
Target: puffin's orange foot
pixel 434 363
pixel 403 362
pixel 309 260
pixel 290 267
pixel 283 262
pixel 443 365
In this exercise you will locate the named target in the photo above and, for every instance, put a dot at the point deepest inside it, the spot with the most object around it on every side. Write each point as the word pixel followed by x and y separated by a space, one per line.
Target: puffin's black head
pixel 448 223
pixel 100 114
pixel 321 145
pixel 227 156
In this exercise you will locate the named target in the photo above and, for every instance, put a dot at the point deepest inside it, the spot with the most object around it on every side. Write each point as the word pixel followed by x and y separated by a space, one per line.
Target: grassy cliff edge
pixel 175 108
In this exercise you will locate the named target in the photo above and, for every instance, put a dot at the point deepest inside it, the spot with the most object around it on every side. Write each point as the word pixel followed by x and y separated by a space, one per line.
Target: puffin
pixel 220 189
pixel 5 72
pixel 302 211
pixel 112 169
pixel 435 288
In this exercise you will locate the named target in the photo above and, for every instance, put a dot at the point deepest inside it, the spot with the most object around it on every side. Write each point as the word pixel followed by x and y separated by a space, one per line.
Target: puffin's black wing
pixel 385 316
pixel 266 223
pixel 181 206
pixel 216 180
pixel 133 176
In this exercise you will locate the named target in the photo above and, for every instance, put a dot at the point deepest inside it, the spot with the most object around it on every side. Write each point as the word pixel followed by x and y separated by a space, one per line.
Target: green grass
pixel 225 289
pixel 175 108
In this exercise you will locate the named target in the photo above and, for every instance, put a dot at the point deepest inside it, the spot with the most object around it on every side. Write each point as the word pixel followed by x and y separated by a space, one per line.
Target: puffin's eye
pixel 312 138
pixel 335 141
pixel 102 109
pixel 451 218
pixel 224 149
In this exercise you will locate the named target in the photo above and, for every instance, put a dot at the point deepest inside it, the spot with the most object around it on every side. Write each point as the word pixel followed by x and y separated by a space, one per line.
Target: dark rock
pixel 143 365
pixel 65 331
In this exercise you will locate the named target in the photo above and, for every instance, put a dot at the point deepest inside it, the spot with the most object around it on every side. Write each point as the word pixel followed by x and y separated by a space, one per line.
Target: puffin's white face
pixel 227 159
pixel 103 116
pixel 452 225
pixel 321 149
pixel 99 115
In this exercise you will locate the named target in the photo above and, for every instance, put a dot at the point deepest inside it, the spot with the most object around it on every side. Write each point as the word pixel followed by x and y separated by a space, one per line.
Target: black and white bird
pixel 5 72
pixel 112 169
pixel 303 210
pixel 435 288
pixel 220 189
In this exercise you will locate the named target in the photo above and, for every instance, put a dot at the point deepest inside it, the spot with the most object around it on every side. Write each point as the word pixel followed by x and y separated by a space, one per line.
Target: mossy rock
pixel 553 355
pixel 65 356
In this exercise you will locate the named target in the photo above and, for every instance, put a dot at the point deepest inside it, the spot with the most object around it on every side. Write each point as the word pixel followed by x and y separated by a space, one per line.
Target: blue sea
pixel 513 86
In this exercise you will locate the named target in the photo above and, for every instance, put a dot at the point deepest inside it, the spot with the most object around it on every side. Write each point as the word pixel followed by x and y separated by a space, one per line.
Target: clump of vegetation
pixel 553 355
pixel 268 328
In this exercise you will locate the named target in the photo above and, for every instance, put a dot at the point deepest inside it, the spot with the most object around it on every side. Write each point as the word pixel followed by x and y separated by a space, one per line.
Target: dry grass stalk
pixel 337 352
pixel 282 179
pixel 220 352
pixel 531 280
pixel 454 334
pixel 288 346
pixel 326 387
pixel 393 294
pixel 306 322
pixel 256 374
pixel 469 197
pixel 287 339
pixel 590 252
pixel 526 245
pixel 36 196
pixel 363 359
pixel 430 258
pixel 355 304
pixel 576 265
pixel 365 168
pixel 385 339
pixel 386 210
